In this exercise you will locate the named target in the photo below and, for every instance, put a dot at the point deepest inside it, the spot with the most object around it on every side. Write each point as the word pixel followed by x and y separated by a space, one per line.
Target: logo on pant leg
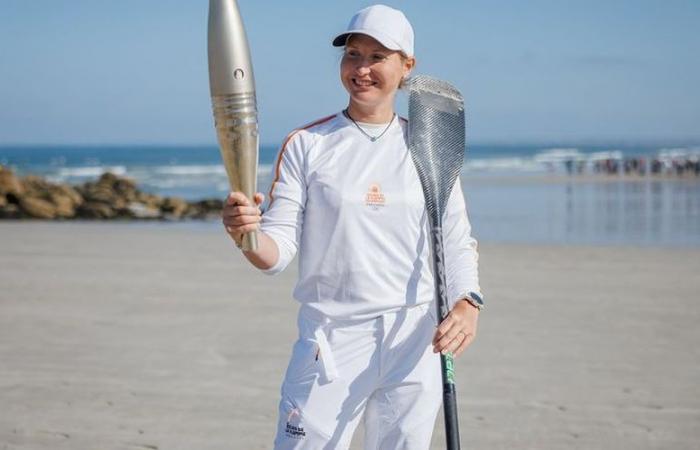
pixel 294 429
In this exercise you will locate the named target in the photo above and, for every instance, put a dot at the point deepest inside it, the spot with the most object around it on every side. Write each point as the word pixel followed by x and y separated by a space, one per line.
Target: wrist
pixel 474 299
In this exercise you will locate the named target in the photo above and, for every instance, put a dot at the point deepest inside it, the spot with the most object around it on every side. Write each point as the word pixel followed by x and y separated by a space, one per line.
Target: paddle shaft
pixel 449 393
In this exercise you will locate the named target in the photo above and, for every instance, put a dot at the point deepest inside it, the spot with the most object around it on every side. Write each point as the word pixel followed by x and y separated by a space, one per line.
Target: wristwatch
pixel 475 300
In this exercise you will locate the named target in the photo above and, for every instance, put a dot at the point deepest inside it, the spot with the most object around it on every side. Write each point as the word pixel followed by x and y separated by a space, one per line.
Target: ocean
pixel 515 193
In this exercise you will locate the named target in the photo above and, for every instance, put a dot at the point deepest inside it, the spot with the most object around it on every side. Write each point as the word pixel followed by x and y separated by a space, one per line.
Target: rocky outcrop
pixel 175 207
pixel 37 208
pixel 9 183
pixel 205 209
pixel 109 197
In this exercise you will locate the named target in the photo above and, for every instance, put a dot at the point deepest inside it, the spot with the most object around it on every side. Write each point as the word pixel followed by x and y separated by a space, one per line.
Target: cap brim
pixel 341 39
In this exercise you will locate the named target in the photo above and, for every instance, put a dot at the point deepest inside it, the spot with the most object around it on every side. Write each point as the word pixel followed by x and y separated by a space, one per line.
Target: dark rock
pixel 65 207
pixel 35 186
pixel 96 193
pixel 110 189
pixel 174 207
pixel 10 211
pixel 212 204
pixel 95 210
pixel 122 187
pixel 152 200
pixel 66 200
pixel 139 210
pixel 67 191
pixel 63 198
pixel 109 197
pixel 205 209
pixel 37 207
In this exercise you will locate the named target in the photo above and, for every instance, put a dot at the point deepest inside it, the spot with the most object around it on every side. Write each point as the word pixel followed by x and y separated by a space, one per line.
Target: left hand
pixel 458 330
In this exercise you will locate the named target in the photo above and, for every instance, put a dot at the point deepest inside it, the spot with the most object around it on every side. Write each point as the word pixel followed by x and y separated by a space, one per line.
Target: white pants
pixel 383 367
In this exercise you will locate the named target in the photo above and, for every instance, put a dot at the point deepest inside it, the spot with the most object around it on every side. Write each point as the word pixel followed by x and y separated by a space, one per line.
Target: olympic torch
pixel 233 99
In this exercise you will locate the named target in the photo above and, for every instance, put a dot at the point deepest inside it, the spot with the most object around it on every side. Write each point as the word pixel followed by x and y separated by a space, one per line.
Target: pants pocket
pixel 304 364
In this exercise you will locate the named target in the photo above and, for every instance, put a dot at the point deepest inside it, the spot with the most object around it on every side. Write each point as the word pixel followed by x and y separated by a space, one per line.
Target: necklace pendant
pixel 371 138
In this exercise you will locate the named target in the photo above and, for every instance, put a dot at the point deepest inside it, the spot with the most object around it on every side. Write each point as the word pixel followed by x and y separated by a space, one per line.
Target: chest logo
pixel 374 197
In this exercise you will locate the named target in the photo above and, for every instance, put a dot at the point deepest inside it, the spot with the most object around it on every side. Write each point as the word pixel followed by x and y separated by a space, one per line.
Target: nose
pixel 361 65
pixel 362 69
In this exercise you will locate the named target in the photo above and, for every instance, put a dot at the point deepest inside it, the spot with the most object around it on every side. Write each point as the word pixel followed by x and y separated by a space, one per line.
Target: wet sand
pixel 124 336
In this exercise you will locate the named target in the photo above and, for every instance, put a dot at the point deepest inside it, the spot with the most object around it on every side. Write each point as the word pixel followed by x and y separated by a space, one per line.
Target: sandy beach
pixel 159 336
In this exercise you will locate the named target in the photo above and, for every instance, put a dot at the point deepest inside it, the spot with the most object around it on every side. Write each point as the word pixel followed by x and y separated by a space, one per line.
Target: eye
pixel 352 53
pixel 378 57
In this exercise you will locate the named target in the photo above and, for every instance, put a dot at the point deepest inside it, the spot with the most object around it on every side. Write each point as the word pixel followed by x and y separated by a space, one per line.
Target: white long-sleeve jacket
pixel 354 211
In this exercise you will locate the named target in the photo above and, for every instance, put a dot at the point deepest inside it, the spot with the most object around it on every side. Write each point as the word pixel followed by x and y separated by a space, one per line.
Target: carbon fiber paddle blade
pixel 436 138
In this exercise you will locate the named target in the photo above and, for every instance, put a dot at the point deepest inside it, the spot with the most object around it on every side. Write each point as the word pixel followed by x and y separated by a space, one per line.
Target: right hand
pixel 240 216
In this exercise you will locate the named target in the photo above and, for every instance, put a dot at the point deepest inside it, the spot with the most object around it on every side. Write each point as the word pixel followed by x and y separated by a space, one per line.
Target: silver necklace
pixel 371 138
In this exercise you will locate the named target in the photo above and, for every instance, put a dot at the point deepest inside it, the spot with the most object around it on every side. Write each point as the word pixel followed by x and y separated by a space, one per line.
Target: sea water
pixel 515 193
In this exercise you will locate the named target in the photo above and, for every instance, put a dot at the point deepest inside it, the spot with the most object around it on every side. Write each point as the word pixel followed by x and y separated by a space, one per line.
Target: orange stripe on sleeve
pixel 284 148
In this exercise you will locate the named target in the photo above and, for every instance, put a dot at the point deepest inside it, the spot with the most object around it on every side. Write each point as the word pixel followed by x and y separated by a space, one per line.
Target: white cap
pixel 387 25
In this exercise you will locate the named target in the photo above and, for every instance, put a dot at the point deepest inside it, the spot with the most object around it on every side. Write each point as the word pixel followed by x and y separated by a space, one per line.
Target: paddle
pixel 436 140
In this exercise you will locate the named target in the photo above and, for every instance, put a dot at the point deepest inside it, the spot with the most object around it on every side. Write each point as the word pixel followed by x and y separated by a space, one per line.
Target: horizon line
pixel 483 142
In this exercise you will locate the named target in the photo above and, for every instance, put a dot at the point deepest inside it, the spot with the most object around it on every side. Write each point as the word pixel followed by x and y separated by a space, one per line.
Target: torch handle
pixel 232 88
pixel 236 121
pixel 250 241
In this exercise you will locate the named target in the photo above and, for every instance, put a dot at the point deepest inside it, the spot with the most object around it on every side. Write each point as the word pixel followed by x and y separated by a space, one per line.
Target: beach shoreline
pixel 580 209
pixel 115 336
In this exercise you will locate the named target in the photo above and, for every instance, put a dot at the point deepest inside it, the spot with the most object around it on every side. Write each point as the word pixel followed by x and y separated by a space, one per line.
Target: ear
pixel 408 65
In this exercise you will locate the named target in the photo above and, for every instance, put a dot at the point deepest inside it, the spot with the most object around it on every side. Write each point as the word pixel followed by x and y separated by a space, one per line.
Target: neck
pixel 381 114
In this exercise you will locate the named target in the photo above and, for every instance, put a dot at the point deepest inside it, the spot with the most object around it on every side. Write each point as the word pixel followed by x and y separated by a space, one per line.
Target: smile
pixel 363 83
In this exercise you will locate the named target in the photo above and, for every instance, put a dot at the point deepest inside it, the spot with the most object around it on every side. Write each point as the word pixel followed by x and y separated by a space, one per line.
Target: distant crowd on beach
pixel 636 166
pixel 668 162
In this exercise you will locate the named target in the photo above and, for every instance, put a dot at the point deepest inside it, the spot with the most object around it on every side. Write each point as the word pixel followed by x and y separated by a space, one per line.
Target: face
pixel 370 72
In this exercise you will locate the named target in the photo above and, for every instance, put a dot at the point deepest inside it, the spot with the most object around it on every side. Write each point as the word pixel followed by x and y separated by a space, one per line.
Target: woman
pixel 347 197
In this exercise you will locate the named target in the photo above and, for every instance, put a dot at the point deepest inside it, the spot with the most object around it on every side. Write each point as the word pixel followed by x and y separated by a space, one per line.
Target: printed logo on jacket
pixel 374 197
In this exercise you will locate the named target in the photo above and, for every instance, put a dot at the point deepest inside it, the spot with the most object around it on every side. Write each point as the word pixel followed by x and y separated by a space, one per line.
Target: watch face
pixel 477 298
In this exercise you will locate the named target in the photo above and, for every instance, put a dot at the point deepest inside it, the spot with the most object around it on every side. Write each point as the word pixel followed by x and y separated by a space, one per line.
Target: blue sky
pixel 135 71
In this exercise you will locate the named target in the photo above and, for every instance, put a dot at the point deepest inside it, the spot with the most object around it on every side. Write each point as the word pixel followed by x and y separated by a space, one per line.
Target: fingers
pixel 237 233
pixel 448 341
pixel 241 230
pixel 242 212
pixel 453 342
pixel 442 329
pixel 463 346
pixel 238 204
pixel 239 198
pixel 240 216
pixel 453 335
pixel 259 199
